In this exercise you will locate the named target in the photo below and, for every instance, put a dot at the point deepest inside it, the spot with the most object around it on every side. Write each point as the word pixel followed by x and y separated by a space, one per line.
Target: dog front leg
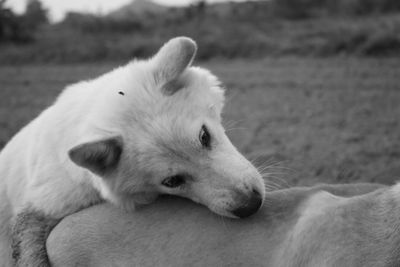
pixel 29 234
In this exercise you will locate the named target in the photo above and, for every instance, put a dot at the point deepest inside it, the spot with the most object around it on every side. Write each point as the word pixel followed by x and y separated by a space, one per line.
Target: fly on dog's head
pixel 171 141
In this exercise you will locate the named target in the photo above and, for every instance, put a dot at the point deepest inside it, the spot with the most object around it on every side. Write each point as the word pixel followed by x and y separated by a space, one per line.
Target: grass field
pixel 315 120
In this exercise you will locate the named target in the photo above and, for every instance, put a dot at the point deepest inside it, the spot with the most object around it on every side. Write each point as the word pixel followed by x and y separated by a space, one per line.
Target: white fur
pixel 160 138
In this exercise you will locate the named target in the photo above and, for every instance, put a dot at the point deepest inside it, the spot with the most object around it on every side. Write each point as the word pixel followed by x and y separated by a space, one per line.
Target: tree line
pixel 21 28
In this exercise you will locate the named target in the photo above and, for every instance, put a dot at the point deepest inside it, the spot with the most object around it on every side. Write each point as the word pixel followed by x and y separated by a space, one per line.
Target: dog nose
pixel 251 206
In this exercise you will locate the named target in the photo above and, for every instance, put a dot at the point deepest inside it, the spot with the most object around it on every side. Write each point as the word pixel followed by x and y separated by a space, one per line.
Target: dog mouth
pixel 245 206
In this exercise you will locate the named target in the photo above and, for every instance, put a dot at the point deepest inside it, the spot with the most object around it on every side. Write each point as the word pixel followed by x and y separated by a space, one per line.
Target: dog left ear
pixel 100 156
pixel 171 60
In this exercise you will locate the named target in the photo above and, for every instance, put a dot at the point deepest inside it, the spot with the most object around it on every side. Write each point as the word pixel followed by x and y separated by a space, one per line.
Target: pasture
pixel 310 120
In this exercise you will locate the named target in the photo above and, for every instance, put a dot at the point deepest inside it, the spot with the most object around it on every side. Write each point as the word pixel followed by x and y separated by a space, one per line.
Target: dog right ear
pixel 173 58
pixel 100 156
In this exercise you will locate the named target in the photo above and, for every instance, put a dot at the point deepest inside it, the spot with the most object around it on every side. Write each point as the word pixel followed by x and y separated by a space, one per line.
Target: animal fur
pixel 29 233
pixel 117 137
pixel 327 225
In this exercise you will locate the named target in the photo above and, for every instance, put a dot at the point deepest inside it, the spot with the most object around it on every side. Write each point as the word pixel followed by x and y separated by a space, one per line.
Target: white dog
pixel 148 128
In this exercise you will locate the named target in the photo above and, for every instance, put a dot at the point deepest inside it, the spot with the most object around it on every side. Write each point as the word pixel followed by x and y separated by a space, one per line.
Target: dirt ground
pixel 310 120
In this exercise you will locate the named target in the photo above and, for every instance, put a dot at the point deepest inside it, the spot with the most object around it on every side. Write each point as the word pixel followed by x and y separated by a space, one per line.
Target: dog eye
pixel 204 137
pixel 174 181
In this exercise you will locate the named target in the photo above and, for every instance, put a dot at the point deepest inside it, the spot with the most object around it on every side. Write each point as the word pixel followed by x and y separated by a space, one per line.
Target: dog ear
pixel 172 59
pixel 100 156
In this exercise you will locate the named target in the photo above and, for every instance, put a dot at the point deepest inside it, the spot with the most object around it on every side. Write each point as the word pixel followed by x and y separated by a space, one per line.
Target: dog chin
pixel 223 212
pixel 144 198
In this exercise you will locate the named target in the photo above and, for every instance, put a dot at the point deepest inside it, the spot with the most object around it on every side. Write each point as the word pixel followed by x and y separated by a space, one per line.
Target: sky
pixel 58 8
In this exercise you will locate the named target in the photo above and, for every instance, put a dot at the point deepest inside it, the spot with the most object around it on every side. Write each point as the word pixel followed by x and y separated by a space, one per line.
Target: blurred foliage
pixel 12 27
pixel 296 9
pixel 21 28
pixel 35 14
pixel 230 30
pixel 90 23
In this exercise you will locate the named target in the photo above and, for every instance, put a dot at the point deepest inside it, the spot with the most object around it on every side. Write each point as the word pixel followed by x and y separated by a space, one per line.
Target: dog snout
pixel 250 205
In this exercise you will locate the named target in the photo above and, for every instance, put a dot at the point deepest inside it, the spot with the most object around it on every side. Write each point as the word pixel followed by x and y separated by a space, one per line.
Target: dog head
pixel 156 129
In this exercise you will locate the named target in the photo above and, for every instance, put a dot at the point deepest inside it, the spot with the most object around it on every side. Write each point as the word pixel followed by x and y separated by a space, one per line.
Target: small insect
pixel 121 93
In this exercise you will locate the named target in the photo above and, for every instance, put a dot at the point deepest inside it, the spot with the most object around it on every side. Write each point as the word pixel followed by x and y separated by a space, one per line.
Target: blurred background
pixel 313 86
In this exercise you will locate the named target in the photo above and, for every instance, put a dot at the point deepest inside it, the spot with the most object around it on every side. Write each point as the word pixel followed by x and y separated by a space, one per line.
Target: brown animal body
pixel 326 225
